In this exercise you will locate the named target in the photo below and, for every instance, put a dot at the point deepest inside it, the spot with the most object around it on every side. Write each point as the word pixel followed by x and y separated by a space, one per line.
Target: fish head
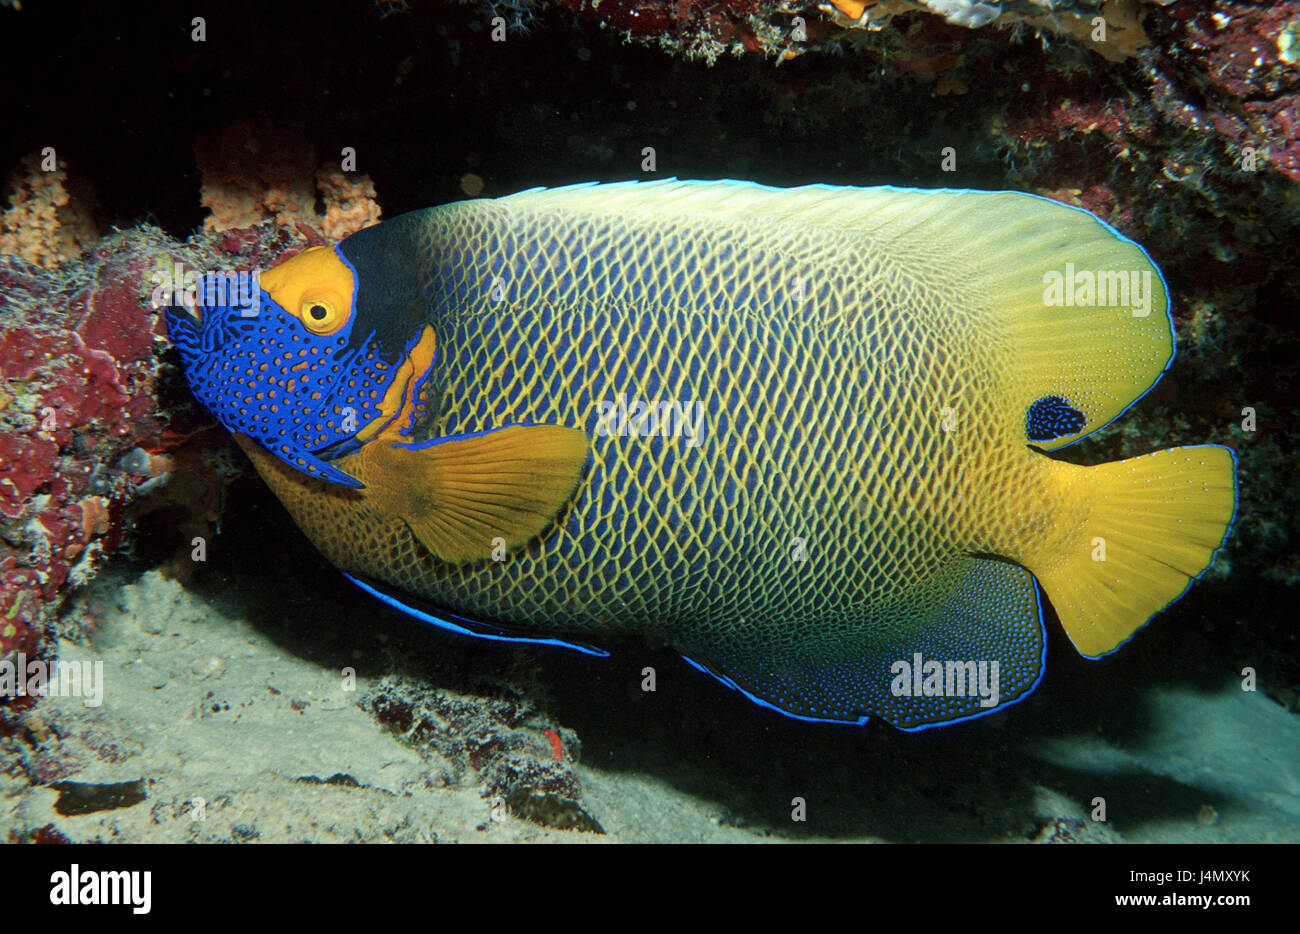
pixel 302 366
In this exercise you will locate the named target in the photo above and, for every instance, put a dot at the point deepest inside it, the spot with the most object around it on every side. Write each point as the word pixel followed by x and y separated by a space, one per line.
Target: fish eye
pixel 319 315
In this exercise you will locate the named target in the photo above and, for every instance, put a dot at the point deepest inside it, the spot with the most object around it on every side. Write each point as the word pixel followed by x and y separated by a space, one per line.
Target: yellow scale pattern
pixel 823 429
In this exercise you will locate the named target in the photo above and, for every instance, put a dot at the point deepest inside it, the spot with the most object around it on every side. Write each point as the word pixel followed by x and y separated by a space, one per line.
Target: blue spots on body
pixel 1052 417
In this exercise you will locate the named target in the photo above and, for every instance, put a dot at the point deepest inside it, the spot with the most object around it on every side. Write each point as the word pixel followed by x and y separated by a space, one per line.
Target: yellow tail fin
pixel 1155 524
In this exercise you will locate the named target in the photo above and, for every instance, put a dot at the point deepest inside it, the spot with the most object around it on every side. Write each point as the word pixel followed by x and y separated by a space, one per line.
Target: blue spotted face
pixel 303 370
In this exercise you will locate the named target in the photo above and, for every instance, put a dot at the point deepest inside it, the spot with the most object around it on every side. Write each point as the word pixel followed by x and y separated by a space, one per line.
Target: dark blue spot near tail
pixel 1051 417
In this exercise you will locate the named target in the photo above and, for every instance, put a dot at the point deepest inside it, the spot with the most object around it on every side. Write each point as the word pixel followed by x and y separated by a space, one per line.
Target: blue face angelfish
pixel 294 373
pixel 801 435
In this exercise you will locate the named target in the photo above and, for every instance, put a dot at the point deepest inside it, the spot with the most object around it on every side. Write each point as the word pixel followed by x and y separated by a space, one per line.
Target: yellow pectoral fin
pixel 462 497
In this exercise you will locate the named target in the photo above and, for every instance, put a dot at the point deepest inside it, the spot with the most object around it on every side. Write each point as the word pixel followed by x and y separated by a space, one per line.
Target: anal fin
pixel 969 643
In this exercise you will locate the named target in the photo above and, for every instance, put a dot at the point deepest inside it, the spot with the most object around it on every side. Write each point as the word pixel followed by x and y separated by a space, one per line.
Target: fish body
pixel 799 435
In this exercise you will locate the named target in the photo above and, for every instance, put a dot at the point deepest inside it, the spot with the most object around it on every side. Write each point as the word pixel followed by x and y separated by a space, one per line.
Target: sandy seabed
pixel 240 735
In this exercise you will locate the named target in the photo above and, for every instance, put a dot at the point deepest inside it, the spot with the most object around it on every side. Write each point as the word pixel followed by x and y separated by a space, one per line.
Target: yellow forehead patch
pixel 316 287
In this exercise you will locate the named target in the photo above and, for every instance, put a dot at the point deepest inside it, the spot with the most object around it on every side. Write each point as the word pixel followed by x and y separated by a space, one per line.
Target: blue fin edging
pixel 447 624
pixel 1042 668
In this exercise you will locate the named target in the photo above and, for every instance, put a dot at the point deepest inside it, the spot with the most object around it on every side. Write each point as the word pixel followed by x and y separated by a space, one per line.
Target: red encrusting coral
pixel 1217 73
pixel 83 423
pixel 77 358
pixel 87 420
pixel 1230 55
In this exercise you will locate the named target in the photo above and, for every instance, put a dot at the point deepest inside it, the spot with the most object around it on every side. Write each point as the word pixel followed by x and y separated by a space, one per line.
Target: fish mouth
pixel 182 318
pixel 194 334
pixel 184 326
